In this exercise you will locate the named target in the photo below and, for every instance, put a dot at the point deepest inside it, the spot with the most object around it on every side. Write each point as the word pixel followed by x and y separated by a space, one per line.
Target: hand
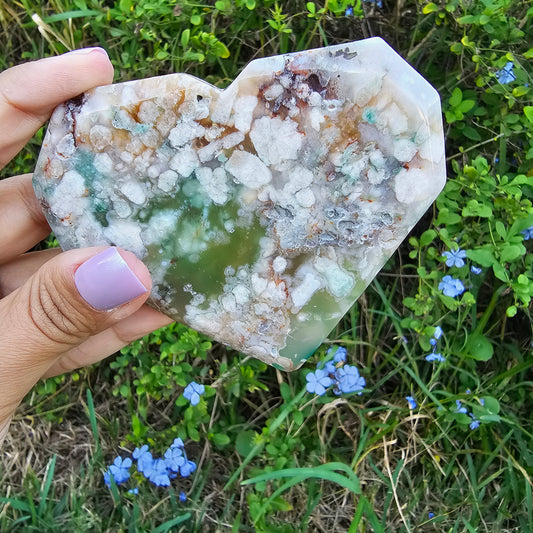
pixel 58 310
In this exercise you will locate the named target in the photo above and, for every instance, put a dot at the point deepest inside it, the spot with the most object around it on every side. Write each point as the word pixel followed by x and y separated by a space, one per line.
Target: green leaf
pixel 479 347
pixel 482 256
pixel 528 112
pixel 244 443
pixel 510 252
pixel 456 97
pixel 475 209
pixel 500 272
pixel 220 439
pixel 500 229
pixel 491 404
pixel 529 54
pixel 185 36
pixel 466 105
pixel 511 311
pixel 427 237
pixel 471 133
pixel 429 8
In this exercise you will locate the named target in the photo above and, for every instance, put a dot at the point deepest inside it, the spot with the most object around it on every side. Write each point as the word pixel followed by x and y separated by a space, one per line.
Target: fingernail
pixel 106 281
pixel 89 50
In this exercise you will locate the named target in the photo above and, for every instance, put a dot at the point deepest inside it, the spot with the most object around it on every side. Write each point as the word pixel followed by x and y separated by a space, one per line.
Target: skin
pixel 47 328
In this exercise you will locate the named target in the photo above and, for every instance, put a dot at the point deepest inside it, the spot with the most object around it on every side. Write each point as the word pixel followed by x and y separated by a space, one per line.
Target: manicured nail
pixel 89 50
pixel 106 281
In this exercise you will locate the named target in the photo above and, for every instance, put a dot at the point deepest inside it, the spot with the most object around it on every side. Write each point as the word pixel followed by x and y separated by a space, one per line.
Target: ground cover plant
pixel 415 415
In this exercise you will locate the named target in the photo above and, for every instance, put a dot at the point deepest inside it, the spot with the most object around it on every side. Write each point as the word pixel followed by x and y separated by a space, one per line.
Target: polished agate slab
pixel 263 210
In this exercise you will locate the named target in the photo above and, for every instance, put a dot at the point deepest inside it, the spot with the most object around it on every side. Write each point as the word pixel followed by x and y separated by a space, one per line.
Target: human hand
pixel 58 310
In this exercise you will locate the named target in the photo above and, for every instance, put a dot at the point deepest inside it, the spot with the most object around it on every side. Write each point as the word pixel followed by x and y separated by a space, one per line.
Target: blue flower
pixel 476 270
pixel 340 355
pixel 438 332
pixel 193 391
pixel 134 491
pixel 178 443
pixel 330 367
pixel 349 380
pixel 455 258
pixel 527 233
pixel 431 515
pixel 145 461
pixel 120 470
pixel 379 3
pixel 349 11
pixel 174 459
pixel 187 468
pixel 475 422
pixel 435 357
pixel 411 401
pixel 506 74
pixel 182 496
pixel 482 401
pixel 159 474
pixel 460 408
pixel 451 286
pixel 433 342
pixel 318 381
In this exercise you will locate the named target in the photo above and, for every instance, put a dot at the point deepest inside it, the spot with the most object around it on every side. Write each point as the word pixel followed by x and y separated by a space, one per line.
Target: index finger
pixel 30 92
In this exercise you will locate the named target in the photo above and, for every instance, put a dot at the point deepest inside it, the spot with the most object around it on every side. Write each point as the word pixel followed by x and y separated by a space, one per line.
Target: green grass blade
pixel 67 15
pixel 47 483
pixel 163 528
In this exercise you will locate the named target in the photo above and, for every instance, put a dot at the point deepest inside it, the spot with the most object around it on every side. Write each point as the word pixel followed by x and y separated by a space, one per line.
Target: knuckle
pixel 56 316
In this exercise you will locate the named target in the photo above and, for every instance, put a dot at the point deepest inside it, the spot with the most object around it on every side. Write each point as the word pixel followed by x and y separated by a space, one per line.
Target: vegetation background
pixel 272 457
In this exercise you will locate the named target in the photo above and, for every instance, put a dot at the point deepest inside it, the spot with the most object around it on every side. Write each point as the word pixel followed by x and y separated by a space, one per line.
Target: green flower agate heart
pixel 263 210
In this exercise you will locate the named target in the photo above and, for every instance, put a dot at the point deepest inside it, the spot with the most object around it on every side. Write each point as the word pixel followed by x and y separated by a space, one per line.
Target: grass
pixel 272 457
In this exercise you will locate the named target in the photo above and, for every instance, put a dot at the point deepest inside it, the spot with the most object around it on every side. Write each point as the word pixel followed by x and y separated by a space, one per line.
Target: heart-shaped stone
pixel 263 210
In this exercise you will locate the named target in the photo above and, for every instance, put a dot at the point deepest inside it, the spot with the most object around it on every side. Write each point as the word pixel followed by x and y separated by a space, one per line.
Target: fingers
pixel 22 223
pixel 73 296
pixel 47 83
pixel 106 343
pixel 15 273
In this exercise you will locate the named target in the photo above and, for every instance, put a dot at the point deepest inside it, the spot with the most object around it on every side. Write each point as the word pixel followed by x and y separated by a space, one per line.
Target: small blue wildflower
pixel 145 461
pixel 431 515
pixel 134 491
pixel 188 468
pixel 435 357
pixel 468 391
pixel 159 474
pixel 193 391
pixel 455 258
pixel 349 380
pixel 340 355
pixel 475 423
pixel 451 286
pixel 330 367
pixel 482 401
pixel 460 408
pixel 318 381
pixel 506 74
pixel 379 3
pixel 178 443
pixel 349 11
pixel 433 342
pixel 411 401
pixel 182 496
pixel 438 333
pixel 120 470
pixel 527 233
pixel 476 270
pixel 174 459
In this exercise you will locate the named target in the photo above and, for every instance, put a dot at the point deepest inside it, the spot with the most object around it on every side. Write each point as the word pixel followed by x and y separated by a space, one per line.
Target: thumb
pixel 71 297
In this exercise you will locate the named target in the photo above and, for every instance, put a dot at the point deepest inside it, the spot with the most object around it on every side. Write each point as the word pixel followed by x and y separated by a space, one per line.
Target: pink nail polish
pixel 106 281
